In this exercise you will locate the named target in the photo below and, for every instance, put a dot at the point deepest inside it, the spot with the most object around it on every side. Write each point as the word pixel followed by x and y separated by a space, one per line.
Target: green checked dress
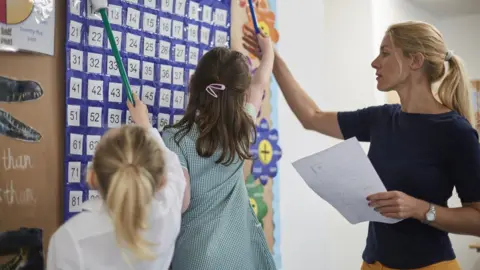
pixel 219 230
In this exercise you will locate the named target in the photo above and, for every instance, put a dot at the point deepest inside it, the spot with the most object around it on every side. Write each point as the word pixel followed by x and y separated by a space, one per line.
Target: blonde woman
pixel 421 148
pixel 137 221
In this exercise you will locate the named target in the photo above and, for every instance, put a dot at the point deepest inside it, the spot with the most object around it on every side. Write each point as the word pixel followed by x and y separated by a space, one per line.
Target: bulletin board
pixel 160 43
pixel 32 145
pixel 261 174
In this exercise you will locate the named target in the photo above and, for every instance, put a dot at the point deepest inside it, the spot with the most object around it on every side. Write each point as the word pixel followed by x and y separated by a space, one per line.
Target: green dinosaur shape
pixel 255 192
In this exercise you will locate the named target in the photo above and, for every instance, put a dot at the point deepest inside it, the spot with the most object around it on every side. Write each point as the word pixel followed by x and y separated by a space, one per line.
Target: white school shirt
pixel 87 240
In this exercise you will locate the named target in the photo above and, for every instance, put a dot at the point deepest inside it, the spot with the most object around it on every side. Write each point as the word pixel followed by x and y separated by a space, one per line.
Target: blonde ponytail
pixel 454 91
pixel 129 167
pixel 128 198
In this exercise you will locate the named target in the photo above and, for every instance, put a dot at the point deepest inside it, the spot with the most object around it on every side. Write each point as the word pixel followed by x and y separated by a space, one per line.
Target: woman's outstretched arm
pixel 304 108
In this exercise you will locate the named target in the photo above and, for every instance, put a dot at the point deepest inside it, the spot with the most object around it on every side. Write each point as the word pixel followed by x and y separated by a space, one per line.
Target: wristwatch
pixel 430 215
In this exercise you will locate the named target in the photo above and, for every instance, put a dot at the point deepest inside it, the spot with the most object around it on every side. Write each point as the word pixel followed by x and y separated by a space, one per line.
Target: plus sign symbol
pixel 266 152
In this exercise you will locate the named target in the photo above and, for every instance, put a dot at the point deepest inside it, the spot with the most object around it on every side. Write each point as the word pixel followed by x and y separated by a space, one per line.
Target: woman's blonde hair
pixel 420 37
pixel 128 166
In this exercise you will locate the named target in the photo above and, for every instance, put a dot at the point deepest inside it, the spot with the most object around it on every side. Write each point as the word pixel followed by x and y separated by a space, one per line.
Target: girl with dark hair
pixel 219 229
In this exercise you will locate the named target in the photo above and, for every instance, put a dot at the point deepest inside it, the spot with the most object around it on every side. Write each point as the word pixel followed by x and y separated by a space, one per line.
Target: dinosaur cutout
pixel 18 91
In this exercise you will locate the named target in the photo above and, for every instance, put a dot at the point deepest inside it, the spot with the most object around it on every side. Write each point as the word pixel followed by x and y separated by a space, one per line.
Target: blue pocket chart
pixel 160 42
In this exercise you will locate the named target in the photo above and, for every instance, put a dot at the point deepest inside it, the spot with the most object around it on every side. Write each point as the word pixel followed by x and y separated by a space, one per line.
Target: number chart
pixel 160 42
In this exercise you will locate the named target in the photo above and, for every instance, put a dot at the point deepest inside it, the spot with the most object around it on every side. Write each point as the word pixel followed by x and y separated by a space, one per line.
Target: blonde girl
pixel 136 222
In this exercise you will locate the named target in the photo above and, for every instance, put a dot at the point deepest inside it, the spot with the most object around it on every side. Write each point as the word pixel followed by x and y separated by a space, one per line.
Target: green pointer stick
pixel 116 54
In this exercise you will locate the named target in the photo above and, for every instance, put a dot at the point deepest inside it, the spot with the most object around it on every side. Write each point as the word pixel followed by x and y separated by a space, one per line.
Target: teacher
pixel 421 148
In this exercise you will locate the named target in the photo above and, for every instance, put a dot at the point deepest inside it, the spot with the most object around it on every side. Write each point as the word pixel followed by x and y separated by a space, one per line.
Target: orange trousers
pixel 448 265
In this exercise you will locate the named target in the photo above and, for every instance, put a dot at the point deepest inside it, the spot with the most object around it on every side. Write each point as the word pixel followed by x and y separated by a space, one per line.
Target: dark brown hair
pixel 222 121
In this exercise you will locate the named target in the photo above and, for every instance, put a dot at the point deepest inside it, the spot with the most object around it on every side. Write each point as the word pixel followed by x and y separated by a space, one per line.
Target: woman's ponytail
pixel 420 37
pixel 454 91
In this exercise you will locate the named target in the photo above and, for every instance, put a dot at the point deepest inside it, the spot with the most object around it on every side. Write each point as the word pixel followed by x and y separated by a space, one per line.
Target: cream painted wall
pixel 329 45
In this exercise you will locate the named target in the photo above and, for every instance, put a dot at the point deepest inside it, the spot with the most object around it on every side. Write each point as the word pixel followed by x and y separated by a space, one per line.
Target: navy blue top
pixel 424 156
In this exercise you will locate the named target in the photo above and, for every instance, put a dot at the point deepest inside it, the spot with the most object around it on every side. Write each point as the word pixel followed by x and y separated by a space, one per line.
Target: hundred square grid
pixel 160 42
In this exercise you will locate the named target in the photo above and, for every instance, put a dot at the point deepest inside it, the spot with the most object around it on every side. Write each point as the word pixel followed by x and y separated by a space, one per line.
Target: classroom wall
pixel 333 65
pixel 463 37
pixel 331 60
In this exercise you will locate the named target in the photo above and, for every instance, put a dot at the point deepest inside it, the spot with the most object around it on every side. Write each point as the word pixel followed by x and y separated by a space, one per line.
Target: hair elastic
pixel 215 86
pixel 448 55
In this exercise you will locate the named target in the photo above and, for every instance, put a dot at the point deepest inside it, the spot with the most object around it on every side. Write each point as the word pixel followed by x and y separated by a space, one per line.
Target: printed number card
pixel 160 41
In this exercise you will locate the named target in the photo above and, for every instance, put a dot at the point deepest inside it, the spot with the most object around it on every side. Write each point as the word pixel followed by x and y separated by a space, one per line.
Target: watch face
pixel 430 216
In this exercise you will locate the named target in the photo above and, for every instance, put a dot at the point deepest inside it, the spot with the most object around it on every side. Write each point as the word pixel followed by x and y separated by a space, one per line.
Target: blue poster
pixel 160 42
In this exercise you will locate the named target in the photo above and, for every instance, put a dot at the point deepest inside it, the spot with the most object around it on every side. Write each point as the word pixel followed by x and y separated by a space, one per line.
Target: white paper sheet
pixel 344 176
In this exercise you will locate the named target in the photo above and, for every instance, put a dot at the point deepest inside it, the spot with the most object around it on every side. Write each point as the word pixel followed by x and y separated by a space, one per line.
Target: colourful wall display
pixel 262 173
pixel 160 43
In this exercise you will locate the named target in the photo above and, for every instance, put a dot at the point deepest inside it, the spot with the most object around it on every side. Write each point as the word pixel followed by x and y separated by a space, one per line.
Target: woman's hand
pixel 139 112
pixel 257 44
pixel 396 204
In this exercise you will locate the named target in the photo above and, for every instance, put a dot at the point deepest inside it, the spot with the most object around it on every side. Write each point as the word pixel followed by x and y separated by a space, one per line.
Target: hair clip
pixel 448 55
pixel 215 86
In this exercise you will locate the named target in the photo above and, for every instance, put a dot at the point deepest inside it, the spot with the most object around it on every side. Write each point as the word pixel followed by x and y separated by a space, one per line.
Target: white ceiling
pixel 449 8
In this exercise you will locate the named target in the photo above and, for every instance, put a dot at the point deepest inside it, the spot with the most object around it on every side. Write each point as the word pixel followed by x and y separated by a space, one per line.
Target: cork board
pixel 31 172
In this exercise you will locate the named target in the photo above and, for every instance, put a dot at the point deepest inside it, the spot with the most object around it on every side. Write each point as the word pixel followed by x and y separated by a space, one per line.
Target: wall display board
pixel 31 133
pixel 160 42
pixel 262 173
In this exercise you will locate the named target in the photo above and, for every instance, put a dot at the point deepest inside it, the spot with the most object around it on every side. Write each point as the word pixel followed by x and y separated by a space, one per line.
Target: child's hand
pixel 139 112
pixel 257 44
pixel 262 47
pixel 265 44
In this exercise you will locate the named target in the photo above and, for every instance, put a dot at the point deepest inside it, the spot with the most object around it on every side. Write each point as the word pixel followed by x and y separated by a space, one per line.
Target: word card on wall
pixel 160 42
